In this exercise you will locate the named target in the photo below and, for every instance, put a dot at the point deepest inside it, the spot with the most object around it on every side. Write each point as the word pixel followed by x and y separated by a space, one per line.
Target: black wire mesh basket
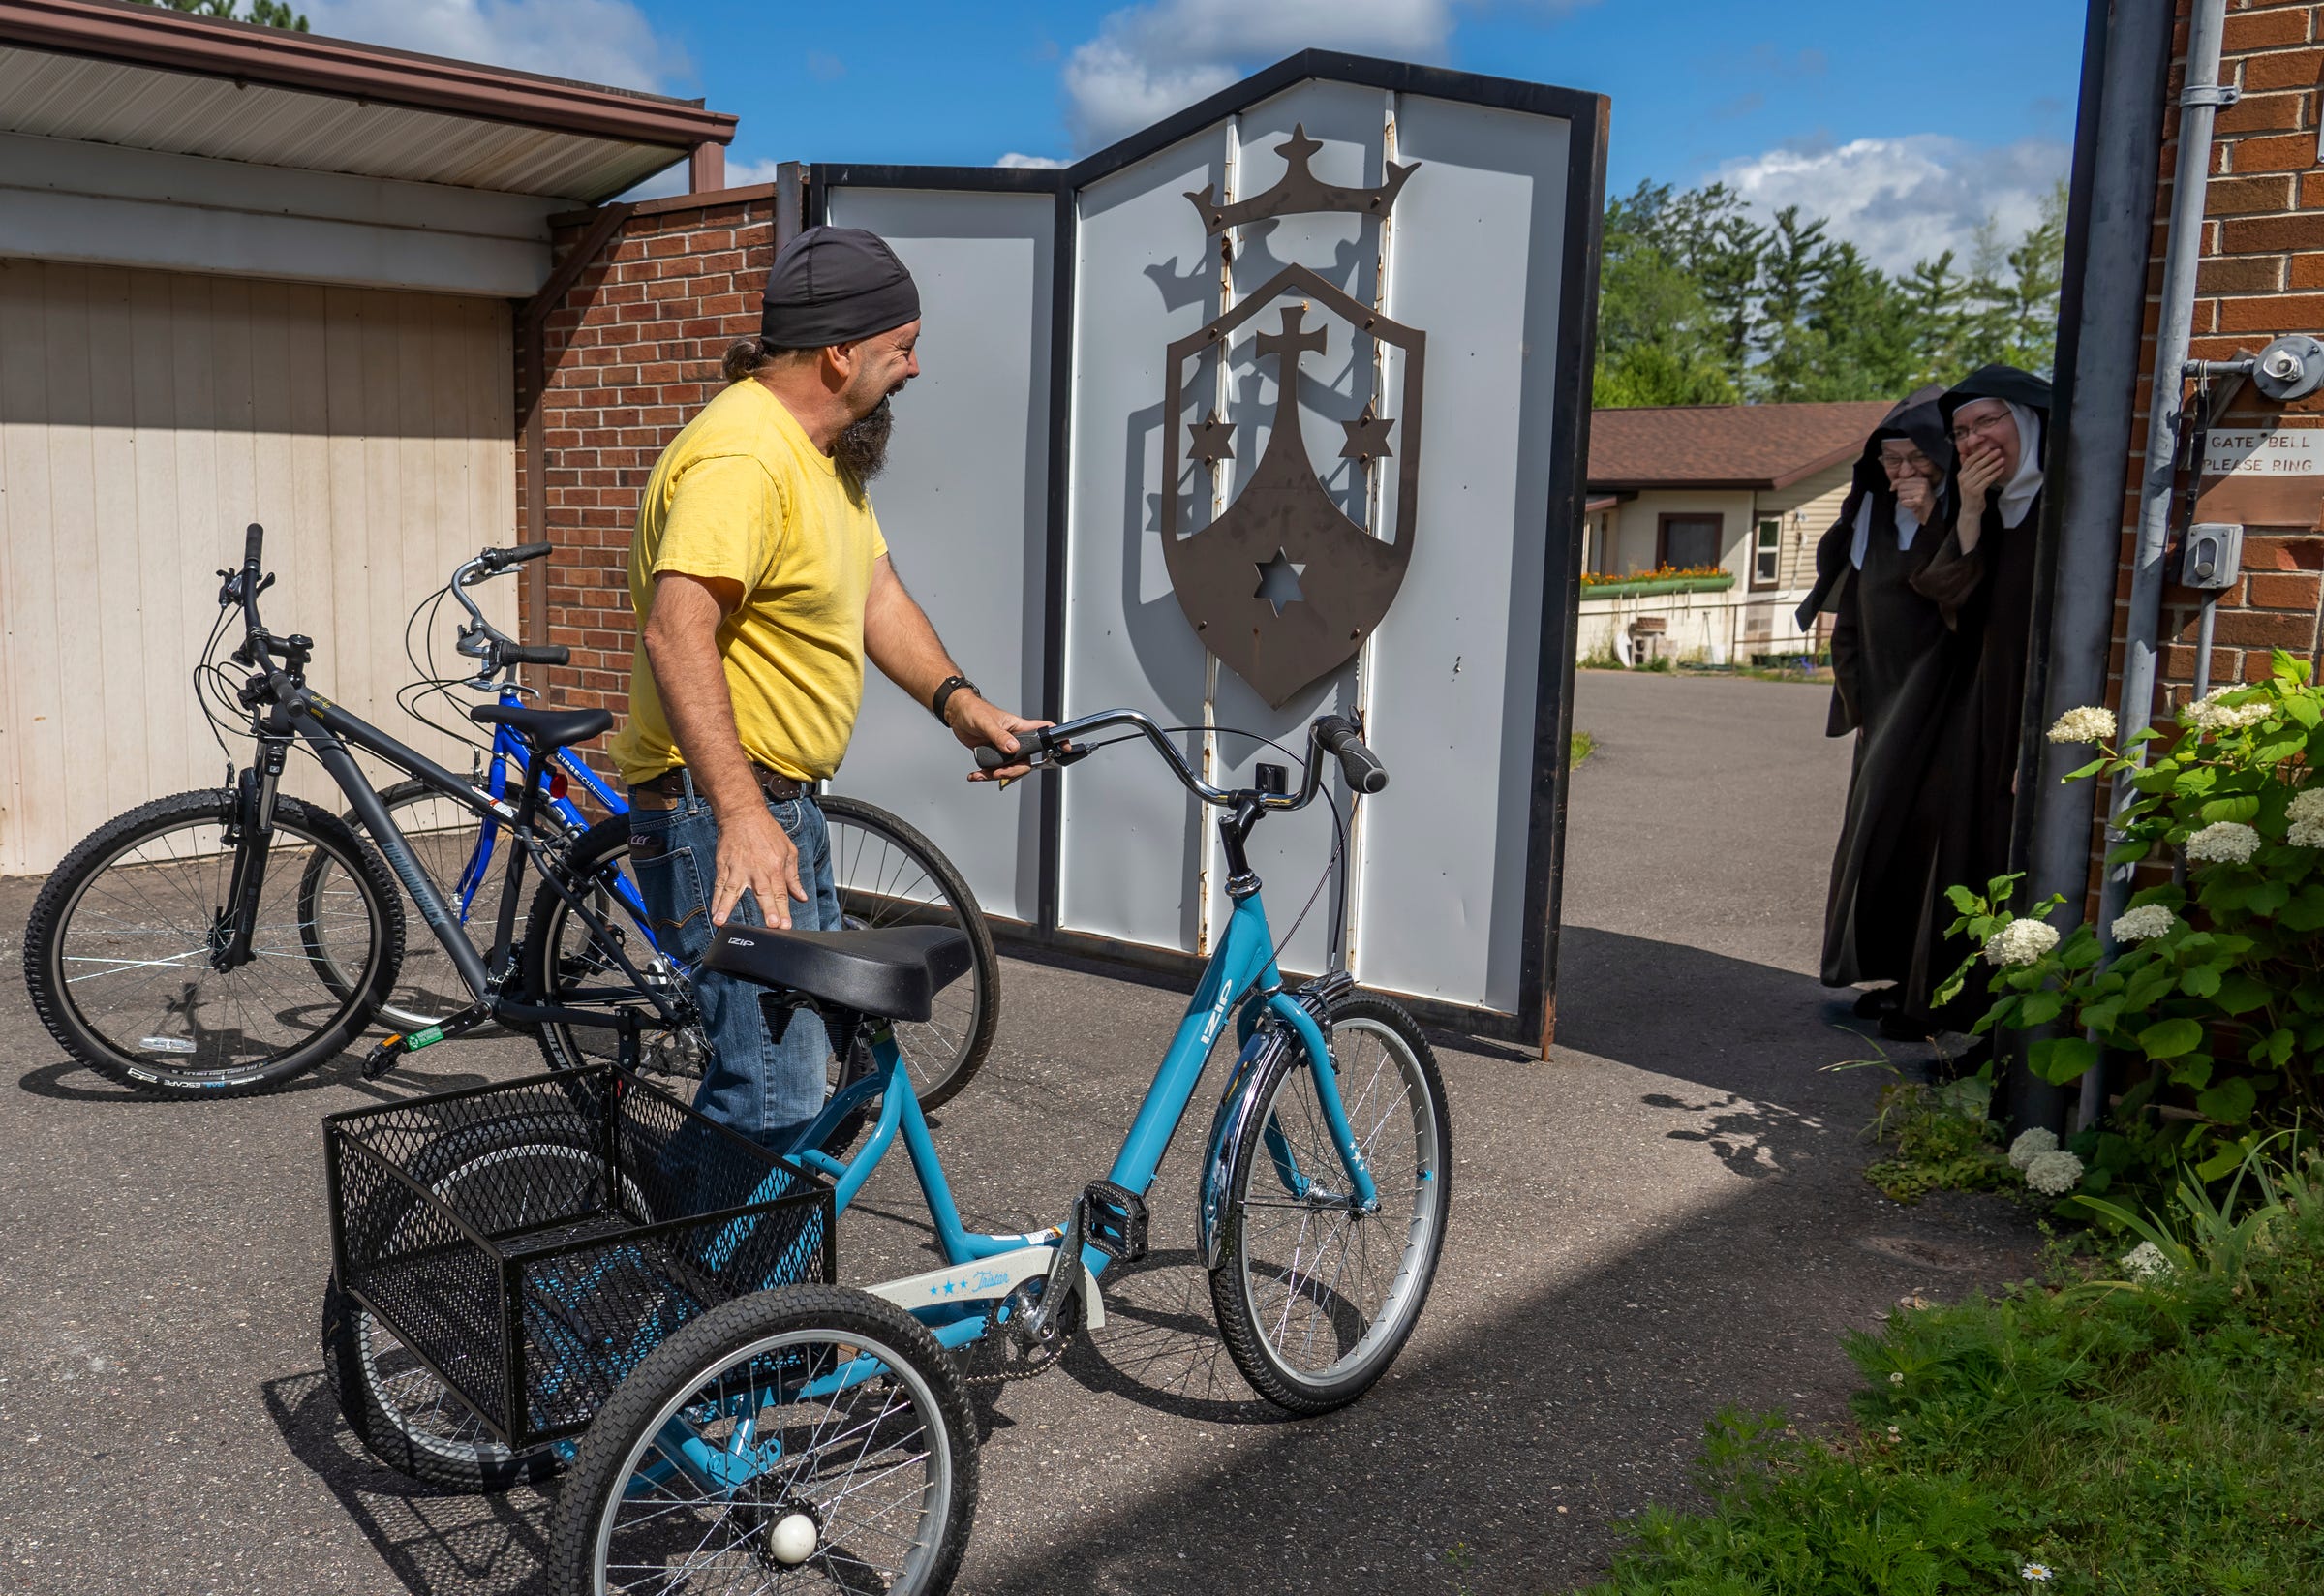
pixel 532 1241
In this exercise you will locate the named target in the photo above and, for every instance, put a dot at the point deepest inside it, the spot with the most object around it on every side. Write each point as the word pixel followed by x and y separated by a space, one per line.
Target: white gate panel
pixel 1143 273
pixel 965 506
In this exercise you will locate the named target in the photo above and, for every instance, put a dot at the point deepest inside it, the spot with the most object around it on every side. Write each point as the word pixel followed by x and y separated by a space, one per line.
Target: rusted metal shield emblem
pixel 1282 586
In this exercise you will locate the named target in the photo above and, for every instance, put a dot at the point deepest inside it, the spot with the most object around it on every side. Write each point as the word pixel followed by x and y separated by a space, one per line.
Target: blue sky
pixel 1908 125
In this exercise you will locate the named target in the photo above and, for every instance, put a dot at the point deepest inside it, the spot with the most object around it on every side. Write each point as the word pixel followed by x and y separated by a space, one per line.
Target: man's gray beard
pixel 862 449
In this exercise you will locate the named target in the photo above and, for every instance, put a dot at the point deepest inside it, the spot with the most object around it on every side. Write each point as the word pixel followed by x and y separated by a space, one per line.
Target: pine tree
pixel 1862 331
pixel 1656 338
pixel 1792 272
pixel 270 14
pixel 1933 296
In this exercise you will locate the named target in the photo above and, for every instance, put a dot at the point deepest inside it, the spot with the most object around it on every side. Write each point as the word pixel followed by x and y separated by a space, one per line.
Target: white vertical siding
pixel 145 419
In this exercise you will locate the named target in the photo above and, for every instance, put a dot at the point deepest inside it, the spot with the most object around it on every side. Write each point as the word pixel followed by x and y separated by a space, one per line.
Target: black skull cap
pixel 834 286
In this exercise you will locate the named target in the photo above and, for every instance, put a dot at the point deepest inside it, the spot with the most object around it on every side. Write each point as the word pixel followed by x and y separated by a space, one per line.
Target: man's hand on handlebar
pixel 980 724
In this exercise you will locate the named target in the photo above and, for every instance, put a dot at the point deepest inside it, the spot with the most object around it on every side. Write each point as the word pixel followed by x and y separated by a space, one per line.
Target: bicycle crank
pixel 1026 1342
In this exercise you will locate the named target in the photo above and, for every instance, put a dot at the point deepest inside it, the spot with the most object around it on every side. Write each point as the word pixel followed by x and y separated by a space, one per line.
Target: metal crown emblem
pixel 1300 192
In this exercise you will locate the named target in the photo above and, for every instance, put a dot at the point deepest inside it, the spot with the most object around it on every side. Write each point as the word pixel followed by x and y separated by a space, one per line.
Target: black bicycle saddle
pixel 544 728
pixel 895 973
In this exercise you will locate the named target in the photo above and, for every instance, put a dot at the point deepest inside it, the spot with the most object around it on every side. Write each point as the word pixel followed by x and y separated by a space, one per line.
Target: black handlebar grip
pixel 253 537
pixel 1358 765
pixel 518 555
pixel 535 654
pixel 989 757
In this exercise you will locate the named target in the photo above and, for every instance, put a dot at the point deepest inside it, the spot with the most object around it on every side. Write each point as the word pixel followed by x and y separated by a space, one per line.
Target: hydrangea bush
pixel 2219 985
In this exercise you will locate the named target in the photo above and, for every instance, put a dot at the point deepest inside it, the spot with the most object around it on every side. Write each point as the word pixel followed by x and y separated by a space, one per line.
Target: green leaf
pixel 1966 900
pixel 2091 769
pixel 2275 1048
pixel 2170 1039
pixel 2201 981
pixel 2101 1016
pixel 2240 993
pixel 2305 912
pixel 2276 750
pixel 2060 1058
pixel 2148 986
pixel 2265 897
pixel 2287 670
pixel 2220 1162
pixel 2243 809
pixel 2230 1102
pixel 2193 1070
pixel 2304 709
pixel 2039 1008
pixel 2129 854
pixel 2081 951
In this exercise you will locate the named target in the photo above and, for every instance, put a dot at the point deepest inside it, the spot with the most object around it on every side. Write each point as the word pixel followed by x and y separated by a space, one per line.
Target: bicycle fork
pixel 1294 1021
pixel 251 835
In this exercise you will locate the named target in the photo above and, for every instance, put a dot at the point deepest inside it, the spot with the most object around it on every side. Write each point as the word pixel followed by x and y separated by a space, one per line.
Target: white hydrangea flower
pixel 2144 923
pixel 2223 842
pixel 2054 1174
pixel 2208 714
pixel 2306 834
pixel 2020 943
pixel 2308 804
pixel 2088 723
pixel 2031 1144
pixel 2145 1261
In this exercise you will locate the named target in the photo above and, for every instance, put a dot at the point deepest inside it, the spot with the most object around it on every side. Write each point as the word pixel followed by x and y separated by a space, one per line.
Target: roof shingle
pixel 1761 447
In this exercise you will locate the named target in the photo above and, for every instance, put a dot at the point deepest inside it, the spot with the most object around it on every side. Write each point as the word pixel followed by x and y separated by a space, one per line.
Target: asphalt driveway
pixel 1663 1219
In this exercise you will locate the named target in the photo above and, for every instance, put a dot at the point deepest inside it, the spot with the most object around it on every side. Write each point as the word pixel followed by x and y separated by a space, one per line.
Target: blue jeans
pixel 765 1089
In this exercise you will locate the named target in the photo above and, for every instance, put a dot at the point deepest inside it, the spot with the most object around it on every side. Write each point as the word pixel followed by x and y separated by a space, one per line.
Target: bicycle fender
pixel 1235 1104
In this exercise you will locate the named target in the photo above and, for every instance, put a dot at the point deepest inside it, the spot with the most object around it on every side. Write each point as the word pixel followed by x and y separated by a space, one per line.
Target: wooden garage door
pixel 145 419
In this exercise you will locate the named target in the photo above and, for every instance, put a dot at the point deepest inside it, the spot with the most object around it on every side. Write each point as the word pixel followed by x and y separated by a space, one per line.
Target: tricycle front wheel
pixel 805 1438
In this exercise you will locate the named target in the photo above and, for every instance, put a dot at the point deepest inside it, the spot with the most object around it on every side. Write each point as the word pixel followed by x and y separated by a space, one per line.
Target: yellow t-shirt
pixel 742 495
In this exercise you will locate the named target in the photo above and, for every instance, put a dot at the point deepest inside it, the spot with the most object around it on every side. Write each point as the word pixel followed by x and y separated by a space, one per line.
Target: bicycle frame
pixel 508 747
pixel 1241 979
pixel 328 732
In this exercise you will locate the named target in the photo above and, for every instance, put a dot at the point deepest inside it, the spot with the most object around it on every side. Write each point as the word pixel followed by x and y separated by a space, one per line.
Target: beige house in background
pixel 1743 489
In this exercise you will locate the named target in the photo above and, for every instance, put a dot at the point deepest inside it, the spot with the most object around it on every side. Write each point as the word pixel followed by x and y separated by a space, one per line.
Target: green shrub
pixel 1941 1137
pixel 2213 989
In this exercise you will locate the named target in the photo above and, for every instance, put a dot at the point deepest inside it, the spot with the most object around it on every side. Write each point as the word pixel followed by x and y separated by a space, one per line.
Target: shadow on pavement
pixel 438 1543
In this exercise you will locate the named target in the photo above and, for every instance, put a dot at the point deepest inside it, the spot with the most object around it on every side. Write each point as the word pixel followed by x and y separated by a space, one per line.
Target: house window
pixel 1689 541
pixel 1766 554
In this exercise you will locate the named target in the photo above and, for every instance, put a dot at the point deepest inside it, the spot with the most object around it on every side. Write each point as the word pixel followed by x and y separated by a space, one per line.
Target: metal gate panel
pixel 965 503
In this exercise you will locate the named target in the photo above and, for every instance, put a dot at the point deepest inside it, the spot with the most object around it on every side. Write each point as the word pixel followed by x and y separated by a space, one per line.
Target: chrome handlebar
pixel 1330 734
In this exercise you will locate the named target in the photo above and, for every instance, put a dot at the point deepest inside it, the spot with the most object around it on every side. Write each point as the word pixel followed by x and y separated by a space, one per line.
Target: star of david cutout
pixel 1280 582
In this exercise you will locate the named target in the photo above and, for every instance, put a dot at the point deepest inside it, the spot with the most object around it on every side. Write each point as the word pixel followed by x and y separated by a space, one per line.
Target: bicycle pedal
pixel 1116 1221
pixel 382 1057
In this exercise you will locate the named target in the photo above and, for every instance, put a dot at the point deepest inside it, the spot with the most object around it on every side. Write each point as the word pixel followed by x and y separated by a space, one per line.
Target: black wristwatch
pixel 945 688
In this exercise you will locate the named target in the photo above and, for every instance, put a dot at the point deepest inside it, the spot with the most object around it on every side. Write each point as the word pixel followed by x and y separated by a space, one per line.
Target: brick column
pixel 631 353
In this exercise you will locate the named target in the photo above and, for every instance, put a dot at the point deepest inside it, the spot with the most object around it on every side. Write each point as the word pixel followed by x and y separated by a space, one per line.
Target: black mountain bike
pixel 229 941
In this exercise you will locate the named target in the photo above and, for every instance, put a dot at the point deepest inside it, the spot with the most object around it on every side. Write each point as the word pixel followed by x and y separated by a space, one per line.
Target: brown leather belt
pixel 671 785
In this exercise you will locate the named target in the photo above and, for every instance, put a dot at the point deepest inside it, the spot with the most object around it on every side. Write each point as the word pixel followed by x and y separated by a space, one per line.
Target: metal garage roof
pixel 109 72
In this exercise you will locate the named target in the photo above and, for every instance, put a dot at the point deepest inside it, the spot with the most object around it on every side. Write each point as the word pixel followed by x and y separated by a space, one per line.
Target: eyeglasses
pixel 1907 457
pixel 1999 426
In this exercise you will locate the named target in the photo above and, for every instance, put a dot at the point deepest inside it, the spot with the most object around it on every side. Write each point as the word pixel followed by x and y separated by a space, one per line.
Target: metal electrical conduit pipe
pixel 2118 135
pixel 2199 100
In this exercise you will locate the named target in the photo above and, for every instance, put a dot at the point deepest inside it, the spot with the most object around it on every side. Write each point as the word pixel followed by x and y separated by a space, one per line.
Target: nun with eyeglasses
pixel 1980 577
pixel 1891 654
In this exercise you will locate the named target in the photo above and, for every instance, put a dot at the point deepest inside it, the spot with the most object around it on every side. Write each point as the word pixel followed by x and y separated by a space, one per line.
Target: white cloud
pixel 1905 200
pixel 743 173
pixel 1012 159
pixel 1150 60
pixel 606 41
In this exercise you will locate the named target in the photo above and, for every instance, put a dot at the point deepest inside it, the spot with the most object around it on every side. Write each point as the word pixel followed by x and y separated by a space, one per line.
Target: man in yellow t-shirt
pixel 761 582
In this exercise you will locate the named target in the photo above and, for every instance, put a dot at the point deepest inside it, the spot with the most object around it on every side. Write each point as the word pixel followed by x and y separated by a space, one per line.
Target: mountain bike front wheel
pixel 808 1438
pixel 1315 1294
pixel 122 952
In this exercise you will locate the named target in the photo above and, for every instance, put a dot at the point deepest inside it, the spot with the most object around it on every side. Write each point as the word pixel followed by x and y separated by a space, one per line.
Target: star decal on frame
pixel 1280 582
pixel 1367 436
pixel 1213 440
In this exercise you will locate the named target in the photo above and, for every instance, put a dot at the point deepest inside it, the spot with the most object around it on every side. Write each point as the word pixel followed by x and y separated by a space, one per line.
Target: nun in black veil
pixel 1980 577
pixel 1892 659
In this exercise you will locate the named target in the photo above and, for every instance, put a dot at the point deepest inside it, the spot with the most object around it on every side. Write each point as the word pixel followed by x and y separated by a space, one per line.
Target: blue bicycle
pixel 1323 1196
pixel 756 1427
pixel 888 873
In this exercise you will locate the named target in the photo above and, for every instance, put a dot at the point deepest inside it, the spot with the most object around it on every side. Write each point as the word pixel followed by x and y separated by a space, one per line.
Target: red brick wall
pixel 2262 275
pixel 630 355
